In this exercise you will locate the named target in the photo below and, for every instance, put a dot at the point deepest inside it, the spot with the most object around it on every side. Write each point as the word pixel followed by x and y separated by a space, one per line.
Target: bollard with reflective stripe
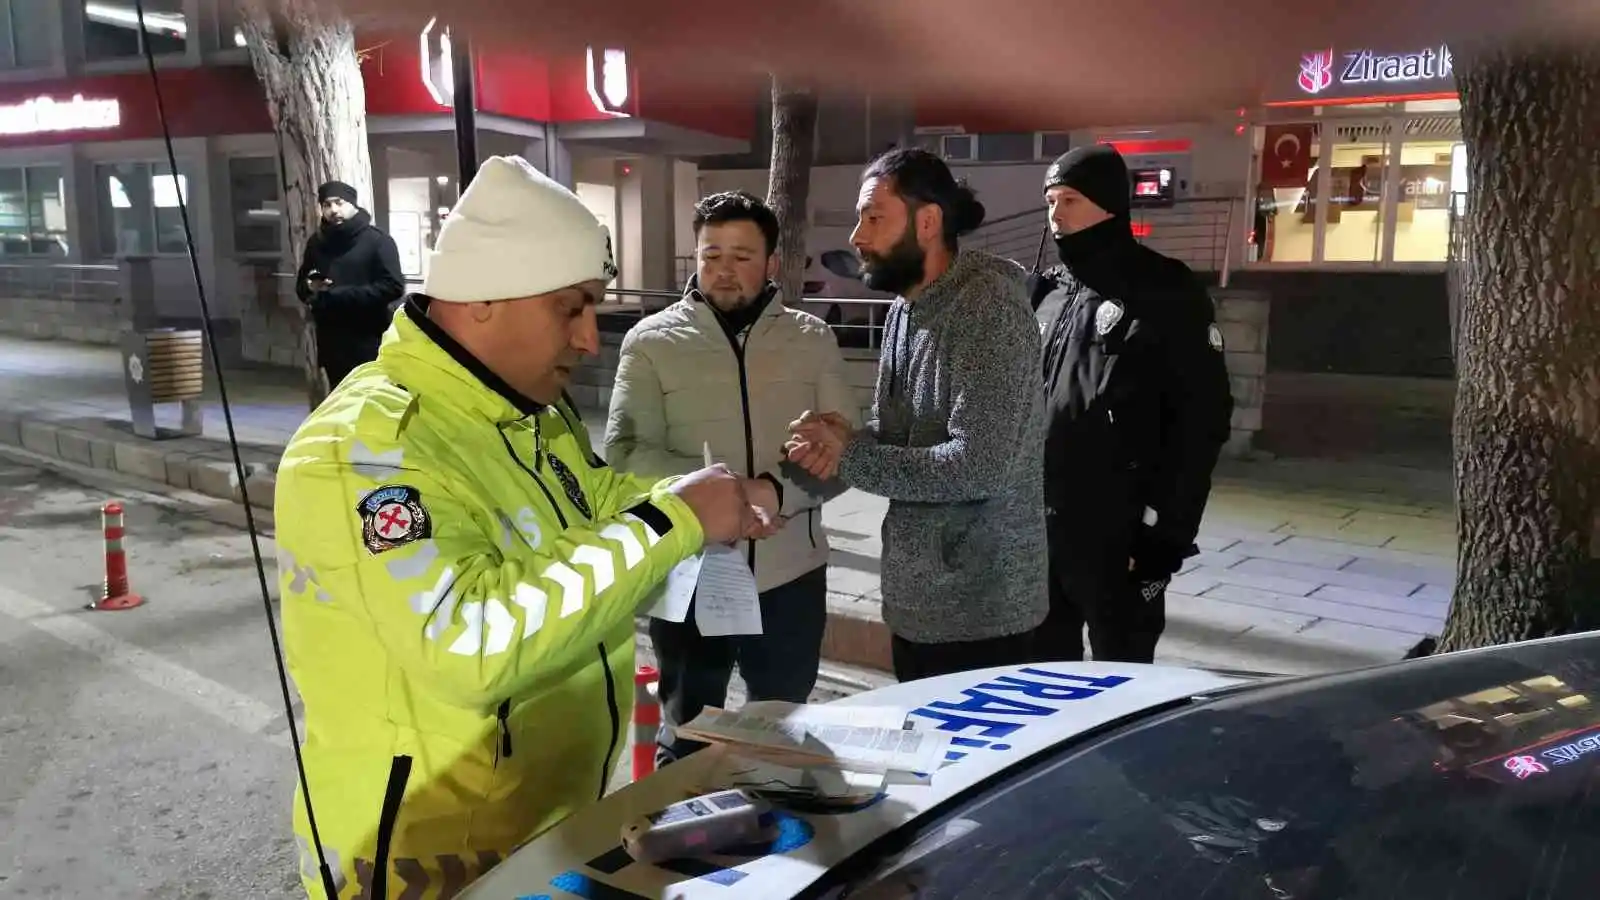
pixel 116 594
pixel 646 721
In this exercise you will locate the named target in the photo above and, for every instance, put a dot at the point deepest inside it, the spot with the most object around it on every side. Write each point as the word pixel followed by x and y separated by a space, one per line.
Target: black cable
pixel 233 445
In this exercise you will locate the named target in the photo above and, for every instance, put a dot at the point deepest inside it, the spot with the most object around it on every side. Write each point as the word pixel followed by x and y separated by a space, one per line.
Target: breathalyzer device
pixel 695 827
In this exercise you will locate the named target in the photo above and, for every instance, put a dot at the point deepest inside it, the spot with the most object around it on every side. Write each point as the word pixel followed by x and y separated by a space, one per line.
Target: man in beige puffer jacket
pixel 729 367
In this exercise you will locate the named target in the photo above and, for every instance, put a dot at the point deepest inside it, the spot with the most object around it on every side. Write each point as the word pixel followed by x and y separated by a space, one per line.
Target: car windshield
pixel 1455 778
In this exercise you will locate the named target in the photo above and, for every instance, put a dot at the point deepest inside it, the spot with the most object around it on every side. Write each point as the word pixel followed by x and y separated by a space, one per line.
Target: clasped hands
pixel 817 441
pixel 730 508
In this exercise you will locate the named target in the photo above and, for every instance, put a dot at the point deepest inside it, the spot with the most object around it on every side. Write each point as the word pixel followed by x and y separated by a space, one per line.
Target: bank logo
pixel 1316 71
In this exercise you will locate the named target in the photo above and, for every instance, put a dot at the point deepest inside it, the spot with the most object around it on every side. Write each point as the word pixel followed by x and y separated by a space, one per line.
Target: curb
pixel 857 638
pixel 854 635
pixel 147 461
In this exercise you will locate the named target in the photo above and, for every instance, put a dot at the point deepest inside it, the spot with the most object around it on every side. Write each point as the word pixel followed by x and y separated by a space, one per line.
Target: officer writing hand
pixel 721 502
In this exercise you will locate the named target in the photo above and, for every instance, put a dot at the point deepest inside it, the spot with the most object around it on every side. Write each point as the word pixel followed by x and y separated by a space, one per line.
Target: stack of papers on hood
pixel 822 785
pixel 849 739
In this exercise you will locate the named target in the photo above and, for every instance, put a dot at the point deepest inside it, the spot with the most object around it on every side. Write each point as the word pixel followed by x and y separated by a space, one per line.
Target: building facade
pixel 1337 195
pixel 85 184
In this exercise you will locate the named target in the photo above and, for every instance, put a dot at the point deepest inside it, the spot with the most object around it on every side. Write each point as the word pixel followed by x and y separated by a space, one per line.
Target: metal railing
pixel 1194 230
pixel 1014 237
pixel 63 281
pixel 1456 249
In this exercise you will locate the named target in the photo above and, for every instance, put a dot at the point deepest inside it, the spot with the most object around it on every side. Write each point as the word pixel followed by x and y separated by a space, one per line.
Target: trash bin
pixel 164 365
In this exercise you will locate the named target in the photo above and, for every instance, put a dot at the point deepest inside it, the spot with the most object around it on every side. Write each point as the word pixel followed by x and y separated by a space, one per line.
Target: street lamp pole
pixel 465 102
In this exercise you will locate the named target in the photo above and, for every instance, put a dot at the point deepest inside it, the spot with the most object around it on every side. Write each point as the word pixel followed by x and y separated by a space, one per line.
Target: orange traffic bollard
pixel 116 594
pixel 646 721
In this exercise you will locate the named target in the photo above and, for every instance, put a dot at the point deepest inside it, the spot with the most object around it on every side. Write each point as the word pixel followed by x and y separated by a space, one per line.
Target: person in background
pixel 729 367
pixel 956 432
pixel 350 278
pixel 1139 408
pixel 460 572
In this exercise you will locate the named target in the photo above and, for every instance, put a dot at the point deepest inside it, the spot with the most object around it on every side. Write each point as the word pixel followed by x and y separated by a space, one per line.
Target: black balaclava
pixel 1100 175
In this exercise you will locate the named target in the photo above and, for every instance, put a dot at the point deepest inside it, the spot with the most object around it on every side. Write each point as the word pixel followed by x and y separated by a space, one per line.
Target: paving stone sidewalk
pixel 1308 564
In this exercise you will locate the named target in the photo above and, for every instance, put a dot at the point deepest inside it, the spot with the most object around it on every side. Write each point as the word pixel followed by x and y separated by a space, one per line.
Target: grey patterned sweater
pixel 956 442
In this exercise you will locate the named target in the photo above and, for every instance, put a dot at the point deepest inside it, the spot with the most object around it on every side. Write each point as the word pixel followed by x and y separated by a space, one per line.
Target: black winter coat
pixel 352 315
pixel 1139 405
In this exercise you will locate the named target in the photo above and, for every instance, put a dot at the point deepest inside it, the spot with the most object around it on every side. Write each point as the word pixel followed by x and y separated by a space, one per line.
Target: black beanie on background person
pixel 1094 254
pixel 337 189
pixel 1099 173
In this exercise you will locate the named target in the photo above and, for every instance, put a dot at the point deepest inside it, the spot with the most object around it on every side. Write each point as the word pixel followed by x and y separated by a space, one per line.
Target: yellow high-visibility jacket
pixel 460 575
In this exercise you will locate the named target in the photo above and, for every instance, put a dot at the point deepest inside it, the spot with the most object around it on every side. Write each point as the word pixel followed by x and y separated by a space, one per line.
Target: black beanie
pixel 1098 173
pixel 336 189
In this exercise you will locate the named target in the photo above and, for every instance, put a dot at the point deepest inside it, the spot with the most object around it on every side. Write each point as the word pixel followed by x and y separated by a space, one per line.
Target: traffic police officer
pixel 1138 411
pixel 459 570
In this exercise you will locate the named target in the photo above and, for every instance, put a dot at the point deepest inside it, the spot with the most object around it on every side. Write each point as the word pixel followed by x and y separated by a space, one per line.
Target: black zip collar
pixel 417 308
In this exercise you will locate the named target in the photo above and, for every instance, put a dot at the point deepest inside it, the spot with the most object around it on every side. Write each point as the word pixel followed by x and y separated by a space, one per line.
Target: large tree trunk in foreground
pixel 304 53
pixel 1527 426
pixel 794 128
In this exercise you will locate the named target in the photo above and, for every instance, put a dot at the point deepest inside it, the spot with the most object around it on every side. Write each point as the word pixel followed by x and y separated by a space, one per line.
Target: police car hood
pixel 999 717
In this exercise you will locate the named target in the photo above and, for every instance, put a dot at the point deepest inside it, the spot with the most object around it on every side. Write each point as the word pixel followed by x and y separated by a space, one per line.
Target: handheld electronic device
pixel 697 826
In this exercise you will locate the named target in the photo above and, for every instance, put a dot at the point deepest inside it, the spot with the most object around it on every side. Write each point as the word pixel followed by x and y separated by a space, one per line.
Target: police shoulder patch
pixel 1214 336
pixel 392 516
pixel 1106 316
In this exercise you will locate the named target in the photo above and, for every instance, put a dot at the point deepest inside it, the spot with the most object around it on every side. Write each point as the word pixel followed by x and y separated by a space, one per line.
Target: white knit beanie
pixel 516 233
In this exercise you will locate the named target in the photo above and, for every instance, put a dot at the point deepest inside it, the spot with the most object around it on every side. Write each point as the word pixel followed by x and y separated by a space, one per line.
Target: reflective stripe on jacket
pixel 459 579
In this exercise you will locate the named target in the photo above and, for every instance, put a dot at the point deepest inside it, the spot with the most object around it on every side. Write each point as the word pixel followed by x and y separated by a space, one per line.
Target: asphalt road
pixel 145 753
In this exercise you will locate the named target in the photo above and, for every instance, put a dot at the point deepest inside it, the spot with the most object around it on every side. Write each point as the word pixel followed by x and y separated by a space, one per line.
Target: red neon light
pixel 1141 229
pixel 1141 148
pixel 1351 101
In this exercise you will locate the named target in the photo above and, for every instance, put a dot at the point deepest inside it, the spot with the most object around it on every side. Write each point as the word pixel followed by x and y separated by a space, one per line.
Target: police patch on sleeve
pixel 1107 316
pixel 392 516
pixel 1214 335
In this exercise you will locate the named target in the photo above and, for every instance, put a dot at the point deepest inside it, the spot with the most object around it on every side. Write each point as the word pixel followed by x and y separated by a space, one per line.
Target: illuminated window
pixel 1285 226
pixel 33 219
pixel 1428 185
pixel 1359 167
pixel 27 25
pixel 138 208
pixel 111 28
pixel 1334 191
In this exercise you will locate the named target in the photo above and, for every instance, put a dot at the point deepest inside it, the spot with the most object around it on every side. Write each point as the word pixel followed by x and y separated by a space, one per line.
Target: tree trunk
pixel 794 128
pixel 304 54
pixel 1527 421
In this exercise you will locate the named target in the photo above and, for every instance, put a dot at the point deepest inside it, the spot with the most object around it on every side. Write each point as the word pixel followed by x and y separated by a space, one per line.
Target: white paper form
pixel 726 599
pixel 671 600
pixel 859 739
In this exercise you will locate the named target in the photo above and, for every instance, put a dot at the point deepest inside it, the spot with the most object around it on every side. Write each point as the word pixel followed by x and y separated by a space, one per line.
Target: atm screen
pixel 1153 187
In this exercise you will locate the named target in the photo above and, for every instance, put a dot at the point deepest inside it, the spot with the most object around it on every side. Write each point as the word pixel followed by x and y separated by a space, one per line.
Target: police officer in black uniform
pixel 1139 408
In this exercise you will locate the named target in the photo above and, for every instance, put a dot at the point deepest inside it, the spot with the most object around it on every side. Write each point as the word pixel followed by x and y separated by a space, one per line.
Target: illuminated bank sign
pixel 608 80
pixel 438 70
pixel 44 115
pixel 1326 70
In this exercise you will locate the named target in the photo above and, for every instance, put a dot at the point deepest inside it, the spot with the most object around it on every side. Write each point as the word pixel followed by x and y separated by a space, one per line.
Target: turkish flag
pixel 1286 155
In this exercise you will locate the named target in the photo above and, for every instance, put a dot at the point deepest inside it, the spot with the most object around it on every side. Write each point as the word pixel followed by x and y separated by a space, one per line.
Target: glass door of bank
pixel 1379 190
